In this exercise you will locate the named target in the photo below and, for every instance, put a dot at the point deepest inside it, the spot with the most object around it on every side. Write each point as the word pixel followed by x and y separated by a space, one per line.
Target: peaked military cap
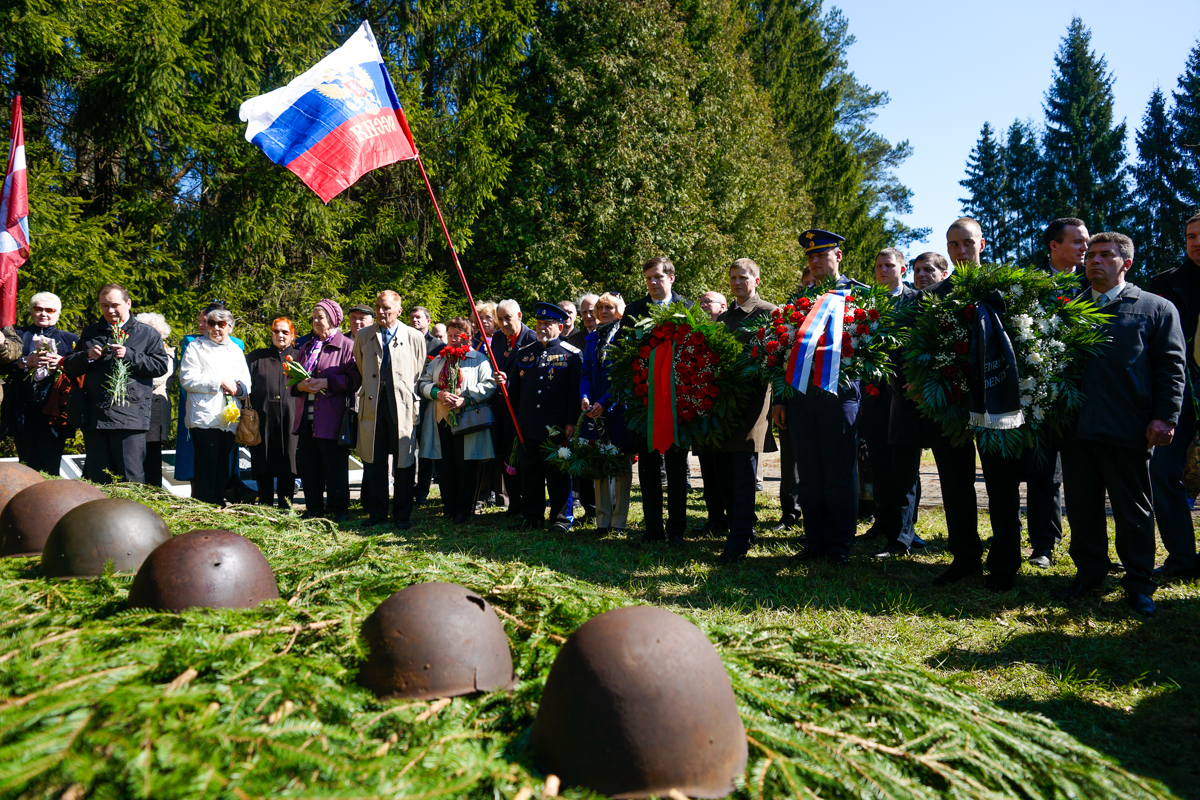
pixel 816 240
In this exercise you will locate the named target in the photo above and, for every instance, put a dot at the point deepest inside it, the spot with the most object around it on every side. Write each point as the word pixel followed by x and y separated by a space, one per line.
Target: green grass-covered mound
pixel 99 701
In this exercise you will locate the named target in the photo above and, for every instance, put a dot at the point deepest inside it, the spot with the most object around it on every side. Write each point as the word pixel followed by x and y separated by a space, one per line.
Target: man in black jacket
pixel 511 335
pixel 824 428
pixel 660 275
pixel 1181 286
pixel 114 435
pixel 1135 391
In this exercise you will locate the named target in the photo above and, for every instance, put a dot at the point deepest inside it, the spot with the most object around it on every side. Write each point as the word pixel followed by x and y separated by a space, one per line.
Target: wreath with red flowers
pixel 704 375
pixel 868 338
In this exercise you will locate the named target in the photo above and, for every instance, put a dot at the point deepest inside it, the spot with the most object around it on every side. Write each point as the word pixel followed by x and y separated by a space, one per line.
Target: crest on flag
pixel 353 88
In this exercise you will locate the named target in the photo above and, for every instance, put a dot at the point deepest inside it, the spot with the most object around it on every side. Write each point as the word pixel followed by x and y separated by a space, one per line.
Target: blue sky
pixel 949 67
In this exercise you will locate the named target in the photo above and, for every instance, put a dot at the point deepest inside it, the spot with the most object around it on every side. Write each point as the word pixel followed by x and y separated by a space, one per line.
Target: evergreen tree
pixel 986 183
pixel 1186 117
pixel 1084 168
pixel 1022 193
pixel 1159 214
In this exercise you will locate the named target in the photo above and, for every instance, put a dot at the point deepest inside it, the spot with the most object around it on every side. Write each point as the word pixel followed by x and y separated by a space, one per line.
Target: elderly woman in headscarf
pixel 320 406
pixel 214 374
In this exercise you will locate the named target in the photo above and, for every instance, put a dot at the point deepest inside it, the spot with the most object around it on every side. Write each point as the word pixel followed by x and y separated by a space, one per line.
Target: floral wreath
pixel 1052 336
pixel 867 339
pixel 584 458
pixel 676 373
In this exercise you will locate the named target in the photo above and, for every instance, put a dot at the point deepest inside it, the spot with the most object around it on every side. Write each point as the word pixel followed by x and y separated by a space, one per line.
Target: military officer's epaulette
pixel 570 348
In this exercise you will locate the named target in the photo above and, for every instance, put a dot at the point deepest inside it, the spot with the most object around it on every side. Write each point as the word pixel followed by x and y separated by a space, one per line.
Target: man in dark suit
pixel 544 382
pixel 511 335
pixel 824 427
pixel 1135 391
pixel 713 304
pixel 1066 242
pixel 1181 286
pixel 735 461
pixel 659 273
pixel 419 320
pixel 895 501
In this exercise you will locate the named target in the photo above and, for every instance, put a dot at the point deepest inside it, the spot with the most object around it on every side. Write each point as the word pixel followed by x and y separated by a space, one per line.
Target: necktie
pixel 1102 300
pixel 387 354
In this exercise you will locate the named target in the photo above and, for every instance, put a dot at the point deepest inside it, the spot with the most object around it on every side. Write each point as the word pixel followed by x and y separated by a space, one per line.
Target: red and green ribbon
pixel 661 430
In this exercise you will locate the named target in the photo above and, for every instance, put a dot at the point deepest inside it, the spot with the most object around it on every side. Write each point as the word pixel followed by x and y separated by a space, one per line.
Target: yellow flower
pixel 231 414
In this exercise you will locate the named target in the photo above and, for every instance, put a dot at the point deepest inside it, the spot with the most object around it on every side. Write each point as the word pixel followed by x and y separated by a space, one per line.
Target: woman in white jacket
pixel 216 378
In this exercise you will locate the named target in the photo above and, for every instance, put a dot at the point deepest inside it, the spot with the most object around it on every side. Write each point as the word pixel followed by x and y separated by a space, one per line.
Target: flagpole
pixel 471 299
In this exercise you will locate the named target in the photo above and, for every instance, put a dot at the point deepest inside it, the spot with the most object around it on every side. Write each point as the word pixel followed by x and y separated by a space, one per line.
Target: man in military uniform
pixel 824 427
pixel 544 386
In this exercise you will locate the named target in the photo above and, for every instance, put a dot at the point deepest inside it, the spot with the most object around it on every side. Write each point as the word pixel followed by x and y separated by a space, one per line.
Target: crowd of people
pixel 411 397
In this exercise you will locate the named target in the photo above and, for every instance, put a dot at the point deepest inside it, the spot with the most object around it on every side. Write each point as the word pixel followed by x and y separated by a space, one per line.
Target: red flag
pixel 14 212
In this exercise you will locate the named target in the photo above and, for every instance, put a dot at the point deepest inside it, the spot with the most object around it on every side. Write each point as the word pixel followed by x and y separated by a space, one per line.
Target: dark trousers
pixel 424 479
pixel 457 477
pixel 650 467
pixel 510 486
pixel 956 473
pixel 211 464
pixel 736 478
pixel 539 478
pixel 1002 477
pixel 375 474
pixel 1171 510
pixel 825 428
pixel 896 493
pixel 152 464
pixel 1089 469
pixel 1043 496
pixel 119 452
pixel 585 489
pixel 40 444
pixel 789 480
pixel 324 470
pixel 714 502
pixel 267 489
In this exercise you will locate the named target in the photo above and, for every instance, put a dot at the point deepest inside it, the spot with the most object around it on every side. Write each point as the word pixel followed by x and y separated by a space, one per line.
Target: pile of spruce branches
pixel 99 701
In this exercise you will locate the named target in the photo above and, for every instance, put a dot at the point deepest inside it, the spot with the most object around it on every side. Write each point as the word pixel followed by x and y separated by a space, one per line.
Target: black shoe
pixel 709 527
pixel 957 571
pixel 730 557
pixel 837 559
pixel 1170 572
pixel 893 550
pixel 758 487
pixel 647 540
pixel 371 523
pixel 676 541
pixel 558 527
pixel 1141 604
pixel 918 543
pixel 998 583
pixel 1077 591
pixel 341 516
pixel 311 515
pixel 461 519
pixel 783 525
pixel 1042 559
pixel 872 532
pixel 403 525
pixel 810 554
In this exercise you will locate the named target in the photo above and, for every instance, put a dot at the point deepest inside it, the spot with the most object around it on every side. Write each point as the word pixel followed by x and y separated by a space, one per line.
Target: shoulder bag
pixel 349 433
pixel 248 433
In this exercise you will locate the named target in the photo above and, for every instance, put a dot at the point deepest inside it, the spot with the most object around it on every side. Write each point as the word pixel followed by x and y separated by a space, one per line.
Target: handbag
pixel 348 437
pixel 473 419
pixel 248 432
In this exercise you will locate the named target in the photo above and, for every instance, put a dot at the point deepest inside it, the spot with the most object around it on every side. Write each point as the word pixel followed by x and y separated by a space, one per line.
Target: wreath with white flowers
pixel 584 458
pixel 1052 336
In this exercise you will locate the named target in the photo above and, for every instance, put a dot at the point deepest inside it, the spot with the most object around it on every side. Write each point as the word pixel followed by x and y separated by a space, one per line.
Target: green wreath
pixel 694 391
pixel 1052 337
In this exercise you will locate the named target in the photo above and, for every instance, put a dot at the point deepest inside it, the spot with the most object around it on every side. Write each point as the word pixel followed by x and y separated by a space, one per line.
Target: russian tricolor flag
pixel 334 123
pixel 14 214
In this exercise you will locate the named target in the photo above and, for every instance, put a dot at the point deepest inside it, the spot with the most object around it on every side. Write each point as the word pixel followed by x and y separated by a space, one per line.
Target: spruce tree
pixel 986 182
pixel 1022 193
pixel 1084 170
pixel 1159 213
pixel 1186 117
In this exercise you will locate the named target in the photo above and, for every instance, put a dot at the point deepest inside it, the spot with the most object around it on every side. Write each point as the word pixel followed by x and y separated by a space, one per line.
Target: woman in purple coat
pixel 320 405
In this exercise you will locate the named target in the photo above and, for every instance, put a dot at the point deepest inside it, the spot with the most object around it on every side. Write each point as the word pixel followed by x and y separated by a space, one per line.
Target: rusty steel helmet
pixel 32 513
pixel 435 640
pixel 13 478
pixel 89 536
pixel 638 703
pixel 204 569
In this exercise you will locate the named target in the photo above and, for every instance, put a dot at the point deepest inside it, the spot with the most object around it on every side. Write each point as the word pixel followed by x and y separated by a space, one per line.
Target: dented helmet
pixel 28 518
pixel 90 535
pixel 638 703
pixel 204 569
pixel 13 478
pixel 435 640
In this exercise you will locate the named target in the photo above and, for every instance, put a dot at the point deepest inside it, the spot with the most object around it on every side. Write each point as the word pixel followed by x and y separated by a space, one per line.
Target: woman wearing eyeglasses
pixel 606 417
pixel 274 459
pixel 215 376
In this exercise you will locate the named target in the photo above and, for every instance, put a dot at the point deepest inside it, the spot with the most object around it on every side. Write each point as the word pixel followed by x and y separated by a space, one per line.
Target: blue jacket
pixel 1137 378
pixel 595 386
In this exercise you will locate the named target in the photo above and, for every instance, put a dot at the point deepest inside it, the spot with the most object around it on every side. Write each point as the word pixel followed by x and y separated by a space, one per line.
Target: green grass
pixel 841 675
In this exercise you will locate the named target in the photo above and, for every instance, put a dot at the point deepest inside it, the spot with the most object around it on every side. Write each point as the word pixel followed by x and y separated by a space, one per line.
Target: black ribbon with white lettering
pixel 993 382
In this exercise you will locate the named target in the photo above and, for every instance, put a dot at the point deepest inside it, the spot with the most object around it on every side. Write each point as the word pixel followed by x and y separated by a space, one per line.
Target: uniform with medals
pixel 544 387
